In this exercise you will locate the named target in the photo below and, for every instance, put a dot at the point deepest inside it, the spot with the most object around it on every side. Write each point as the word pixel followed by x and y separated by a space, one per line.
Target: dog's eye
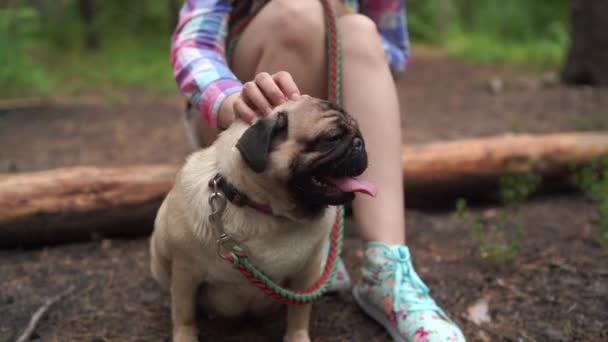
pixel 333 137
pixel 325 141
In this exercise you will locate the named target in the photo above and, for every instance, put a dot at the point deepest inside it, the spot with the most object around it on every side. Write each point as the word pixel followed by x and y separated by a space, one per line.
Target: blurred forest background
pixel 68 47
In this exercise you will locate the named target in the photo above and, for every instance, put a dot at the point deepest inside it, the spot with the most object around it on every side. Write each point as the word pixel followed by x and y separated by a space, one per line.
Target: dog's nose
pixel 357 144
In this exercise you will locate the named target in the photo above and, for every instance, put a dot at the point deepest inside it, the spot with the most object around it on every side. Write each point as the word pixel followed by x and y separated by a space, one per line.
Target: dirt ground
pixel 554 289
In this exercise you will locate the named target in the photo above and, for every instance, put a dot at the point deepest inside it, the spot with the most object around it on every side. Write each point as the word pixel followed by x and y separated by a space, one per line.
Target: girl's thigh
pixel 285 35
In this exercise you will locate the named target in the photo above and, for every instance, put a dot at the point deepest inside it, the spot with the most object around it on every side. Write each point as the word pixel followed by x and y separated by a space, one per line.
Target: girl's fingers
pixel 243 111
pixel 253 95
pixel 258 97
pixel 270 89
pixel 288 86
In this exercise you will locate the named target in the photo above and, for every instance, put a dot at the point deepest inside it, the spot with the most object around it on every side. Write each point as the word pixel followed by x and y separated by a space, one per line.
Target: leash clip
pixel 224 245
pixel 218 202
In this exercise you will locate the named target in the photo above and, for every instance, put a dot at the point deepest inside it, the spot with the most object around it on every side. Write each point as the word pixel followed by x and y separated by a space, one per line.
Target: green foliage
pixel 64 29
pixel 513 20
pixel 44 48
pixel 499 238
pixel 516 188
pixel 499 235
pixel 520 32
pixel 121 63
pixel 484 49
pixel 41 42
pixel 593 181
pixel 422 21
pixel 19 74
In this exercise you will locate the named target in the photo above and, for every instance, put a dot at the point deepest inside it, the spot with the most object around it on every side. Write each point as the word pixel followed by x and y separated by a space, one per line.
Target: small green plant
pixel 499 235
pixel 516 188
pixel 593 181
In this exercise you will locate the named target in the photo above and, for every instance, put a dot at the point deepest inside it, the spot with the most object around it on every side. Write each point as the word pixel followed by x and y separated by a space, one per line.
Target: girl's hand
pixel 258 97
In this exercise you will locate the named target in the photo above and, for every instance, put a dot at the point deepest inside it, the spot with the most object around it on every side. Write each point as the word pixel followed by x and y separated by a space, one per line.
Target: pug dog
pixel 282 178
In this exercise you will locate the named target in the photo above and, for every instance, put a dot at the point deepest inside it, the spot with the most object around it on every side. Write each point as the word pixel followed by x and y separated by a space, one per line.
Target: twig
pixel 29 330
pixel 512 288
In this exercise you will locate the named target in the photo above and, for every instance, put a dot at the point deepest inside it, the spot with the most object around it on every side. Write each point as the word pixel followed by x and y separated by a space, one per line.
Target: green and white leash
pixel 234 253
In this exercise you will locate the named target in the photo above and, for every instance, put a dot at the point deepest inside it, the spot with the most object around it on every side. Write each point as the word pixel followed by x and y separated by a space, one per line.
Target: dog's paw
pixel 184 334
pixel 297 336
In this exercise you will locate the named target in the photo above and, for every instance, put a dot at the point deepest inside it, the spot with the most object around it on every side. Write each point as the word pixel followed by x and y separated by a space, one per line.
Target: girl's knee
pixel 296 24
pixel 361 40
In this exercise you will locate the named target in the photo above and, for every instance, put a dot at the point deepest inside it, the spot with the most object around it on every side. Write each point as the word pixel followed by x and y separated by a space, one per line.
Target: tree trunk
pixel 88 10
pixel 587 61
pixel 78 203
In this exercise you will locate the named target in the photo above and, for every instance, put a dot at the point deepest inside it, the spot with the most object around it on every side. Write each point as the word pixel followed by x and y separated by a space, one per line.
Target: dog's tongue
pixel 349 184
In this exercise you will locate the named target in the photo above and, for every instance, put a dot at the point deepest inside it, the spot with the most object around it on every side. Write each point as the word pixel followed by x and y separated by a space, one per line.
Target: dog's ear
pixel 255 143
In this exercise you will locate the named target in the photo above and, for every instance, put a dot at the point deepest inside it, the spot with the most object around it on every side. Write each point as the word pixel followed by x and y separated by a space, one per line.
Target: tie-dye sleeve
pixel 198 56
pixel 389 16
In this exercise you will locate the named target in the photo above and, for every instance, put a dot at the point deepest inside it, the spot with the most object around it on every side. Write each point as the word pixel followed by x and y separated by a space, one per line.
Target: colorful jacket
pixel 198 48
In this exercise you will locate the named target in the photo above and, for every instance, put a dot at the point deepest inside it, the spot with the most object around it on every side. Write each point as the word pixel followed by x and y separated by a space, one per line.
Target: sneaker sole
pixel 378 316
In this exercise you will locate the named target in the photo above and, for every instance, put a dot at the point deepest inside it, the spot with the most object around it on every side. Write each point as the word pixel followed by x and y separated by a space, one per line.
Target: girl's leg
pixel 389 289
pixel 286 35
pixel 370 96
pixel 290 36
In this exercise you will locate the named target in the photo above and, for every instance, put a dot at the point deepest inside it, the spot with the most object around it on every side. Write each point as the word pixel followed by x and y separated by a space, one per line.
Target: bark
pixel 79 203
pixel 472 167
pixel 588 53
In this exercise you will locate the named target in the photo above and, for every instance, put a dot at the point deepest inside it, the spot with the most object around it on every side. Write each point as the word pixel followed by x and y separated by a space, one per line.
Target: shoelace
pixel 409 288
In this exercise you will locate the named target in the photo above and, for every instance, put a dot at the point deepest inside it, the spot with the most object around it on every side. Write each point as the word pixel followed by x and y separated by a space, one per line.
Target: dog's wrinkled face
pixel 312 147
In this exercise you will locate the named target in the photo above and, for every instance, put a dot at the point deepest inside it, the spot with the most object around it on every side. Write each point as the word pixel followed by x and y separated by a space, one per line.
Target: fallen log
pixel 473 166
pixel 78 203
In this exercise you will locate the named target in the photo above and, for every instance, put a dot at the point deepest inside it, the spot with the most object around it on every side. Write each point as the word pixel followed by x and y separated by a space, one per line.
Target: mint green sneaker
pixel 393 294
pixel 341 281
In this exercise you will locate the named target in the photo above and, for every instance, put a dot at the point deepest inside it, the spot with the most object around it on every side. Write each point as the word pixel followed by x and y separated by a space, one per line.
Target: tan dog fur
pixel 183 246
